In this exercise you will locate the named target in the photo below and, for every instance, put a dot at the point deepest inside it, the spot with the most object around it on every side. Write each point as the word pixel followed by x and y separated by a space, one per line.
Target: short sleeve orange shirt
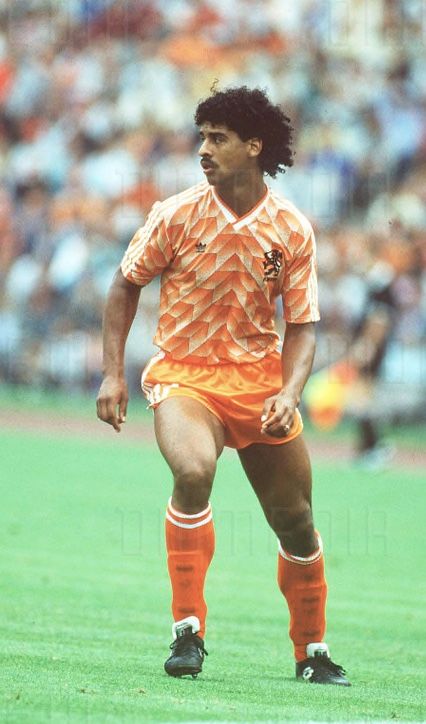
pixel 220 274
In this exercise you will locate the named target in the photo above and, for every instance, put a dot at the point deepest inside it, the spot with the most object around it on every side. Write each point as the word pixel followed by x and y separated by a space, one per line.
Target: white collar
pixel 239 221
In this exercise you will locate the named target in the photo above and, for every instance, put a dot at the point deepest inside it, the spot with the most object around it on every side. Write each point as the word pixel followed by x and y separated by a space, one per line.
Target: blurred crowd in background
pixel 96 123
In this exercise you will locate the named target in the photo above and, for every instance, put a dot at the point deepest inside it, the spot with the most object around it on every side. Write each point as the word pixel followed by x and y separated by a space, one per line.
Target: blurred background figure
pixel 388 351
pixel 94 127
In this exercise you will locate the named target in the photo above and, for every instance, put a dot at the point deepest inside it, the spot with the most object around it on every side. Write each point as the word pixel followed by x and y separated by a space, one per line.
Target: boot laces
pixel 182 644
pixel 326 663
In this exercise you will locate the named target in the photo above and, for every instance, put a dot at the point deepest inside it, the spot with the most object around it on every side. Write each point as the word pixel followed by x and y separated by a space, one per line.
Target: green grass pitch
pixel 85 621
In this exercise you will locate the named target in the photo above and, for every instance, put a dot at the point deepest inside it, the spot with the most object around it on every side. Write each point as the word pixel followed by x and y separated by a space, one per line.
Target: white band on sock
pixel 315 556
pixel 189 525
pixel 186 515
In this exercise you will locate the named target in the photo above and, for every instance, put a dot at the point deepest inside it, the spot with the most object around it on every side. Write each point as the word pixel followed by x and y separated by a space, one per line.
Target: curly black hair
pixel 250 113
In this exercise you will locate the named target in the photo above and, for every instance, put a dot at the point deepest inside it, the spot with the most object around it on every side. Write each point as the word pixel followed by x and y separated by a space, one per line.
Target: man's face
pixel 224 156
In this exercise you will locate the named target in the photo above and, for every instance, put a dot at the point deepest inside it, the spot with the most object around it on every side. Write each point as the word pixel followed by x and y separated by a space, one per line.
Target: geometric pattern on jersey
pixel 221 274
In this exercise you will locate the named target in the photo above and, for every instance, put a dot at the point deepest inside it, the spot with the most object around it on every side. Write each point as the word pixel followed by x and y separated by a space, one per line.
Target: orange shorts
pixel 235 393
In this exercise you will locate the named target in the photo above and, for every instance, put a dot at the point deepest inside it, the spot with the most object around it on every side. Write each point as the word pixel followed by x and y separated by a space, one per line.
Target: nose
pixel 204 149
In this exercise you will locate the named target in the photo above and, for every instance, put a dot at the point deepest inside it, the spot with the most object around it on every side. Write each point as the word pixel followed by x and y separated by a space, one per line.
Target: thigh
pixel 188 434
pixel 279 474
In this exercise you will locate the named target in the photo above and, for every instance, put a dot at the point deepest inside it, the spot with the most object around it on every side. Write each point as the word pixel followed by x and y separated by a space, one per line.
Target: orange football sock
pixel 302 581
pixel 190 543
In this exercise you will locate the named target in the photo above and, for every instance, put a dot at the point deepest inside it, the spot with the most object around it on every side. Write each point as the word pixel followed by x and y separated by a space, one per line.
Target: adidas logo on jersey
pixel 200 247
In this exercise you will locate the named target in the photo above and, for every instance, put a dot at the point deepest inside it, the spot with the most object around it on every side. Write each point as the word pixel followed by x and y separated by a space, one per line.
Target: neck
pixel 242 193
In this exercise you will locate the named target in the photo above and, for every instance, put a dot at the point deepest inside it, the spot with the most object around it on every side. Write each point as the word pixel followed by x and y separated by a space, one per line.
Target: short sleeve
pixel 300 287
pixel 150 251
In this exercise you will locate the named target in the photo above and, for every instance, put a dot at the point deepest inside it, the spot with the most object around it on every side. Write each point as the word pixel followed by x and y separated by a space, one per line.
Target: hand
pixel 111 403
pixel 278 415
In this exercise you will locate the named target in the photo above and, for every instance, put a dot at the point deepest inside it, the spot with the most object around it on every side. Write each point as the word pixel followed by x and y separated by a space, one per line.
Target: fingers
pixel 106 412
pixel 112 418
pixel 280 419
pixel 122 410
pixel 112 408
pixel 268 408
pixel 278 429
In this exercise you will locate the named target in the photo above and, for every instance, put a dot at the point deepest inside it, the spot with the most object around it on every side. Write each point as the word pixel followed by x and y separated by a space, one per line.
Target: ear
pixel 255 146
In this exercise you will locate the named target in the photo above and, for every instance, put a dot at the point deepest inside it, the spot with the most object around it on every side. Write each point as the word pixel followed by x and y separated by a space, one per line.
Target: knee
pixel 295 529
pixel 290 520
pixel 192 485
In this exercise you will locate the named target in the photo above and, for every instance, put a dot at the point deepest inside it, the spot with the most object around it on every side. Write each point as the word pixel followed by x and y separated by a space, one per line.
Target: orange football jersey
pixel 221 274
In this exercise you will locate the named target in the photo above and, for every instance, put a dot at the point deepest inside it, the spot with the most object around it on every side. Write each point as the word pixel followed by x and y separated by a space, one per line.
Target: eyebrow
pixel 214 134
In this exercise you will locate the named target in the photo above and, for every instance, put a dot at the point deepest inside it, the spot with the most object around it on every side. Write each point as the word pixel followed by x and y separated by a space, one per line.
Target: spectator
pixel 94 127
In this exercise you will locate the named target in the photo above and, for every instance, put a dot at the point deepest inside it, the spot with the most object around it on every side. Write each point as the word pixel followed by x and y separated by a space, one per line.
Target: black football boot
pixel 318 668
pixel 187 650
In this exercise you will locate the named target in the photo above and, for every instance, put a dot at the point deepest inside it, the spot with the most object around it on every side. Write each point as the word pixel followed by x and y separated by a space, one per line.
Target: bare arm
pixel 297 358
pixel 120 310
